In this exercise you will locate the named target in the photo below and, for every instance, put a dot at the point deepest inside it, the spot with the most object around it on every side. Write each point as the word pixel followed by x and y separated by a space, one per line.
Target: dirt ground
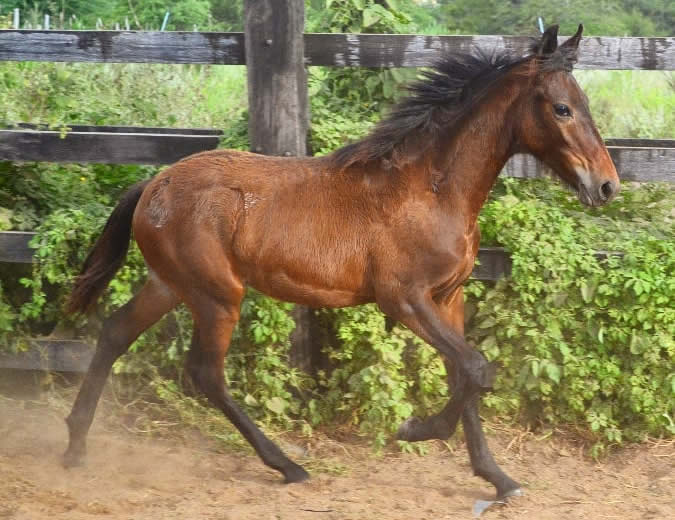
pixel 132 476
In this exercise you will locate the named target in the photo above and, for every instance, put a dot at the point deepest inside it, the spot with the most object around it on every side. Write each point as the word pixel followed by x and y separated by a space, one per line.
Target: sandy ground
pixel 131 476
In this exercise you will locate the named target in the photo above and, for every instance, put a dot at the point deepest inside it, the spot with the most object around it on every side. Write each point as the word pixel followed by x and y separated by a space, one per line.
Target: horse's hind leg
pixel 119 331
pixel 214 322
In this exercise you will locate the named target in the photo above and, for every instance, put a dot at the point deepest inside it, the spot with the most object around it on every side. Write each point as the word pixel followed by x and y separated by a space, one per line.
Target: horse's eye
pixel 562 110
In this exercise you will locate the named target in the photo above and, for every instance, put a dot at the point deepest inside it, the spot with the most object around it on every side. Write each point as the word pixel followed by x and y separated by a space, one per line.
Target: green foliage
pixel 345 102
pixel 7 319
pixel 257 369
pixel 583 340
pixel 59 94
pixel 356 16
pixel 378 377
pixel 608 18
pixel 631 103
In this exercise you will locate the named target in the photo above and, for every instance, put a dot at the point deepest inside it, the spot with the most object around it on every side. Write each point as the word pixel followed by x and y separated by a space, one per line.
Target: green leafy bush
pixel 583 339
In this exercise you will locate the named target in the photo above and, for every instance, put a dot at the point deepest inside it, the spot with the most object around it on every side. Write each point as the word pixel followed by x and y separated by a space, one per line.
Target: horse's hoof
pixel 414 429
pixel 480 506
pixel 72 459
pixel 516 492
pixel 295 473
pixel 409 430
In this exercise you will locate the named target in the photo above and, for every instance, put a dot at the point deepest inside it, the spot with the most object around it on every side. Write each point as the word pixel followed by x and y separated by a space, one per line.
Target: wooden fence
pixel 276 53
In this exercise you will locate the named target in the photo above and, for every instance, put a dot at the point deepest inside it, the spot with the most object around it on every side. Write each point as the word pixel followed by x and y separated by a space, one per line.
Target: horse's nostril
pixel 606 190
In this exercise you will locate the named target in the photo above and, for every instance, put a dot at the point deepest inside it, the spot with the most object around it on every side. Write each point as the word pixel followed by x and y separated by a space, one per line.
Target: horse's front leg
pixel 473 373
pixel 441 425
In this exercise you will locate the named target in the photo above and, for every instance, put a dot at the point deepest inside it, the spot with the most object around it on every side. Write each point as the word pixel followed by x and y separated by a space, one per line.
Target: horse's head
pixel 556 123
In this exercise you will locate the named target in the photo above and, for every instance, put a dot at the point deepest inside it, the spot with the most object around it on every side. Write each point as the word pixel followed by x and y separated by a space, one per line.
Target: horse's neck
pixel 476 154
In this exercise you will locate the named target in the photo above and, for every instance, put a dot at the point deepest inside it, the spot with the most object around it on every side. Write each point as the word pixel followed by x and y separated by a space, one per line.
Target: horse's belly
pixel 285 289
pixel 317 281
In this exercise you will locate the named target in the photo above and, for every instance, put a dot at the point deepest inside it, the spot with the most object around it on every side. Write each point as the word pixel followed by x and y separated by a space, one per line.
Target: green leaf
pixel 250 400
pixel 588 291
pixel 489 347
pixel 487 323
pixel 553 371
pixel 276 404
pixel 370 17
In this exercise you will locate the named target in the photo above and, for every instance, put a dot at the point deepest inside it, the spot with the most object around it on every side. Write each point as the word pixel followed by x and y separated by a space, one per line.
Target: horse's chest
pixel 459 266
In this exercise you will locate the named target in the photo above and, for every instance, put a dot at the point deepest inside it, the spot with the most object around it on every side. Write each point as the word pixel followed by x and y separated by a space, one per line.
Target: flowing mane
pixel 440 98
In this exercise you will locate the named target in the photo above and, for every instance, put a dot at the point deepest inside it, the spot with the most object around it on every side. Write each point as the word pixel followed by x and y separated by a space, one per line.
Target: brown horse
pixel 389 219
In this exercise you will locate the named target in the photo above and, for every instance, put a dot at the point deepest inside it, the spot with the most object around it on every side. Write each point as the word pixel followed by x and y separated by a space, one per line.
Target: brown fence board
pixel 642 164
pixel 121 129
pixel 637 163
pixel 494 261
pixel 339 50
pixel 408 50
pixel 101 147
pixel 122 47
pixel 53 355
pixel 14 247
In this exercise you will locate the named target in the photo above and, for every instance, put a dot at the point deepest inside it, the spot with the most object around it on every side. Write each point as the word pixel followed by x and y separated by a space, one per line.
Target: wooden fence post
pixel 277 81
pixel 278 113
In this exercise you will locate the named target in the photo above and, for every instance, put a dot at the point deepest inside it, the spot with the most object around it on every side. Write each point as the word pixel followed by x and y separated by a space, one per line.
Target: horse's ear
pixel 549 41
pixel 573 42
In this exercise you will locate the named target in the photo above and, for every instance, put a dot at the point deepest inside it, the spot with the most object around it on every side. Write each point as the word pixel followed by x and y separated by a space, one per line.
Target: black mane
pixel 439 98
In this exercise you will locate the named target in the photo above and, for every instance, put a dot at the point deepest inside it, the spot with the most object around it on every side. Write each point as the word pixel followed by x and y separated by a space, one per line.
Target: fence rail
pixel 57 355
pixel 112 145
pixel 14 247
pixel 335 50
pixel 636 159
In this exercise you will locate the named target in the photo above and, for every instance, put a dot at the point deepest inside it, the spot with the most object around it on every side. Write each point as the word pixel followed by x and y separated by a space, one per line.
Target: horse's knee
pixel 480 373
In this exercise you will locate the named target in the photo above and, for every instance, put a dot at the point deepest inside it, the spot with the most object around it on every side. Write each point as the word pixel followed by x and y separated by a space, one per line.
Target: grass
pixel 123 94
pixel 639 104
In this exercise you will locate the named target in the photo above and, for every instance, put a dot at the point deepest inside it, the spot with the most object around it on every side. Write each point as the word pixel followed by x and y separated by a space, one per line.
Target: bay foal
pixel 389 219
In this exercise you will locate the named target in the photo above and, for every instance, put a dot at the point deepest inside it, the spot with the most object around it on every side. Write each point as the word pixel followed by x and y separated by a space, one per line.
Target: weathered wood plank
pixel 408 50
pixel 101 147
pixel 122 47
pixel 279 114
pixel 123 129
pixel 643 164
pixel 494 261
pixel 640 143
pixel 340 50
pixel 52 355
pixel 636 163
pixel 14 247
pixel 277 81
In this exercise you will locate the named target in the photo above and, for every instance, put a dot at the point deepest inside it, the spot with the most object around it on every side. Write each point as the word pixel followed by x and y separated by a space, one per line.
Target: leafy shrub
pixel 583 339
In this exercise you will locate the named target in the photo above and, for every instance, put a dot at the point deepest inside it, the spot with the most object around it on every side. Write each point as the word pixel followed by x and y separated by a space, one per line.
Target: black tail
pixel 108 254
